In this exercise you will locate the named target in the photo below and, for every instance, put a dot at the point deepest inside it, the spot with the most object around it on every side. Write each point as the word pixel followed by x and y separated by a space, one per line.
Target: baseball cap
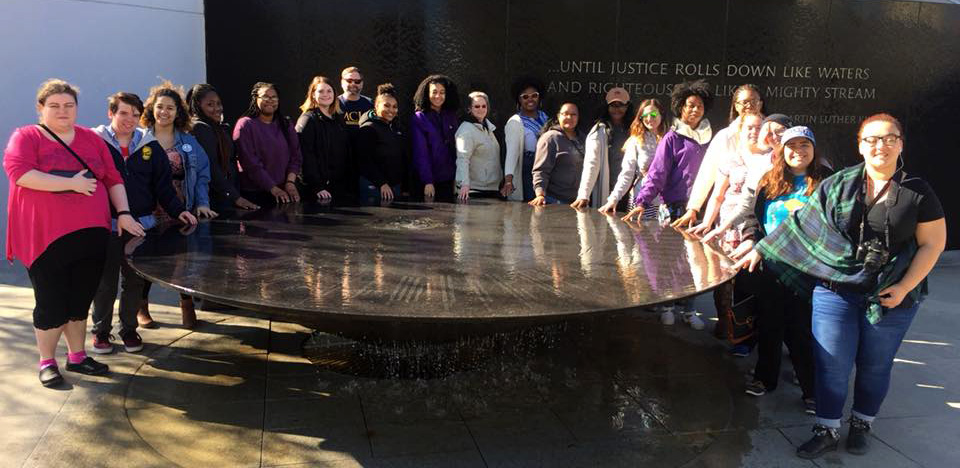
pixel 618 94
pixel 797 132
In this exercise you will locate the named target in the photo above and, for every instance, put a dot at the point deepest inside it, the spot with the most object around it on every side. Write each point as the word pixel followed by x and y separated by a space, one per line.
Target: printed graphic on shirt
pixel 353 110
pixel 783 206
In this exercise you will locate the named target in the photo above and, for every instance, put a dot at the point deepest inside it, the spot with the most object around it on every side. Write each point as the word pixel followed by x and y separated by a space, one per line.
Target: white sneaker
pixel 666 316
pixel 693 319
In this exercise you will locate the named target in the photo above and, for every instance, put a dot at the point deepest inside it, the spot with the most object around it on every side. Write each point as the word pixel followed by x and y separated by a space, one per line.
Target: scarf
pixel 534 125
pixel 810 245
pixel 702 134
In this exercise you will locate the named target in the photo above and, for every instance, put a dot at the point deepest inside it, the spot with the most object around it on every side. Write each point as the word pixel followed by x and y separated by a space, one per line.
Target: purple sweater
pixel 265 156
pixel 434 145
pixel 674 167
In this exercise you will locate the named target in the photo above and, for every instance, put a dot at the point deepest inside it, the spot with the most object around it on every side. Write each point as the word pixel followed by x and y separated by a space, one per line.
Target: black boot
pixel 858 439
pixel 824 440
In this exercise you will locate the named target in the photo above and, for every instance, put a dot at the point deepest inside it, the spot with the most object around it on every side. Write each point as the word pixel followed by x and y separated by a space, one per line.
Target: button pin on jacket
pixel 187 148
pixel 147 152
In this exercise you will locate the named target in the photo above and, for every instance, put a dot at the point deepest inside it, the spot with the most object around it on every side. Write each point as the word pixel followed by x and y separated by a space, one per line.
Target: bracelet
pixel 124 212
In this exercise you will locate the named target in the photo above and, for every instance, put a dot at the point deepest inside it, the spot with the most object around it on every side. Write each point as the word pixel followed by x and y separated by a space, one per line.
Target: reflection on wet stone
pixel 431 271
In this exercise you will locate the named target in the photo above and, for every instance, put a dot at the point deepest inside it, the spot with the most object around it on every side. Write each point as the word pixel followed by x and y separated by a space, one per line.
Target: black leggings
pixel 784 319
pixel 65 277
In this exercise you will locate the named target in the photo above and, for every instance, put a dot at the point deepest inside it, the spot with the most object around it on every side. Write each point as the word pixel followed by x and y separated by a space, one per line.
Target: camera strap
pixel 888 203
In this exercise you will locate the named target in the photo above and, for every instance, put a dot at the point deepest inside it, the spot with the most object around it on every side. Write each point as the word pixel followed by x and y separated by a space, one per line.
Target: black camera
pixel 873 254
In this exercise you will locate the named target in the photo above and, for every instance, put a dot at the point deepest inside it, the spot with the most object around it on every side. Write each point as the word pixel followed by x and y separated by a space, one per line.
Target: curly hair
pixel 421 98
pixel 682 91
pixel 386 90
pixel 524 82
pixel 166 89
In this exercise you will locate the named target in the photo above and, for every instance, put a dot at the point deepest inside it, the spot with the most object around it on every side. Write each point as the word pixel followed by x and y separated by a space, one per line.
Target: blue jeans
pixel 526 175
pixel 843 337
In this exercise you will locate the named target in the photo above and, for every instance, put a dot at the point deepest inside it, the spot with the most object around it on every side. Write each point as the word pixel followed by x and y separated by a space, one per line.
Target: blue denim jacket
pixel 196 165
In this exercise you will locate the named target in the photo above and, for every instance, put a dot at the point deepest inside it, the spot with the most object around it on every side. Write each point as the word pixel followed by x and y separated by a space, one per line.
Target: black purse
pixel 64 172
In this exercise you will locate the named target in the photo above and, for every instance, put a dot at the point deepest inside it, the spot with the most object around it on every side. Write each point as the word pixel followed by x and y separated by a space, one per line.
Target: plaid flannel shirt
pixel 810 245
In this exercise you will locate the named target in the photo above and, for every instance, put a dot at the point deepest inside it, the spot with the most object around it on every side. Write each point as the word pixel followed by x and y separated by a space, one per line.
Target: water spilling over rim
pixel 404 223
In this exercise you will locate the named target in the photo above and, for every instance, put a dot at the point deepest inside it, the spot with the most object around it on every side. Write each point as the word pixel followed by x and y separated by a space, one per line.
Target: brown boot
pixel 143 316
pixel 188 313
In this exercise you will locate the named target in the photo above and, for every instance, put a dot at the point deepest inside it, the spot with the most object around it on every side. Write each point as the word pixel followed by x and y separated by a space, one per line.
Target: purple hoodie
pixel 434 145
pixel 672 171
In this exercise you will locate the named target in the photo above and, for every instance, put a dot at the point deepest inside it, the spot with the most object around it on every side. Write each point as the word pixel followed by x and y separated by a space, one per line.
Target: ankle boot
pixel 824 440
pixel 858 439
pixel 143 316
pixel 188 313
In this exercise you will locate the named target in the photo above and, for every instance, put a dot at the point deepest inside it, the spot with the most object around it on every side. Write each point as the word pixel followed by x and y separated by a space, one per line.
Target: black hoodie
pixel 381 149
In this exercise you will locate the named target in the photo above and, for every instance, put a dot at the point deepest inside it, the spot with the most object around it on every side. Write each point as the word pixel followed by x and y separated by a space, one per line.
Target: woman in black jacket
pixel 214 136
pixel 324 143
pixel 381 148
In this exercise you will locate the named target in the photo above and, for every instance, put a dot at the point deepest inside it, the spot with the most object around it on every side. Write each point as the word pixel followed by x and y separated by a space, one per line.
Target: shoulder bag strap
pixel 55 137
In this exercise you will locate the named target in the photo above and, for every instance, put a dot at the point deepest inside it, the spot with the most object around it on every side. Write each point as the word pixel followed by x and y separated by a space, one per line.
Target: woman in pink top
pixel 58 220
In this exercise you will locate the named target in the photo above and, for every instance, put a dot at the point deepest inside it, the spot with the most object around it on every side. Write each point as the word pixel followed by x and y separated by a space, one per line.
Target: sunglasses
pixel 653 114
pixel 526 96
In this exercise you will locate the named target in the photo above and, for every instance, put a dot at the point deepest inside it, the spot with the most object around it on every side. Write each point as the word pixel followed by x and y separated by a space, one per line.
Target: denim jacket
pixel 197 171
pixel 196 167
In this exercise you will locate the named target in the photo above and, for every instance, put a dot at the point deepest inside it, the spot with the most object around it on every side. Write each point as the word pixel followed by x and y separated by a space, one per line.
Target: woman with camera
pixel 864 243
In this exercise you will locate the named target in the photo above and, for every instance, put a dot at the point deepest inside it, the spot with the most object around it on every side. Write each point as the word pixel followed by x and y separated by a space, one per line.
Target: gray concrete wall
pixel 99 45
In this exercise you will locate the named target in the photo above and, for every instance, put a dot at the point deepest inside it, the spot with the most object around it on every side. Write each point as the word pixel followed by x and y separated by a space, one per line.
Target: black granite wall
pixel 828 63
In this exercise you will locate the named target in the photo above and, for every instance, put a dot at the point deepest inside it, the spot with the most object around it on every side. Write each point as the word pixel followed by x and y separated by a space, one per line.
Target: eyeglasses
pixel 751 102
pixel 526 96
pixel 353 81
pixel 888 140
pixel 268 98
pixel 652 114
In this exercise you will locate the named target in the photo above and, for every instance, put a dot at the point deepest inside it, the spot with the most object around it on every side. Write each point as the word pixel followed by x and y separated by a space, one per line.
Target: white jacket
pixel 637 156
pixel 595 179
pixel 724 143
pixel 513 164
pixel 478 157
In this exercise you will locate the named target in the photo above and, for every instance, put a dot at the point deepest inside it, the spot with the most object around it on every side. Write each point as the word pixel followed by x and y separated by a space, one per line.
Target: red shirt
pixel 36 218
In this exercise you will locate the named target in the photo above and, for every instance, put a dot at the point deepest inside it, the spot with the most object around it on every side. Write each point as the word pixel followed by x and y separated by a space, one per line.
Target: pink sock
pixel 45 363
pixel 77 357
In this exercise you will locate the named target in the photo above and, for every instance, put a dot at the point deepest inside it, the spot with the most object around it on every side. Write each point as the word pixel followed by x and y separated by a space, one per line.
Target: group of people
pixel 833 266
